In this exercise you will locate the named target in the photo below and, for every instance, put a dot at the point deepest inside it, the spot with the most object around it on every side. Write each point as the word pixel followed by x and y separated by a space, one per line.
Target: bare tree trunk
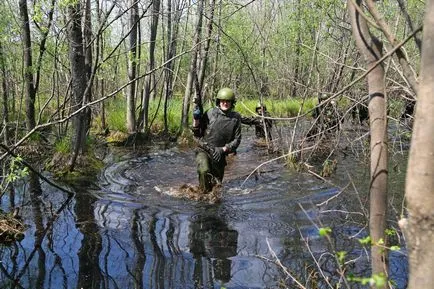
pixel 217 51
pixel 78 75
pixel 371 49
pixel 28 75
pixel 420 173
pixel 5 111
pixel 132 65
pixel 192 74
pixel 404 11
pixel 204 59
pixel 42 47
pixel 87 32
pixel 89 274
pixel 101 83
pixel 151 64
pixel 296 65
pixel 173 19
pixel 402 58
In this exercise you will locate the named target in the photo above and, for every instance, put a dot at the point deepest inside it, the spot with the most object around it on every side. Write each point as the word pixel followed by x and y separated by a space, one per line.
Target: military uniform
pixel 258 122
pixel 217 129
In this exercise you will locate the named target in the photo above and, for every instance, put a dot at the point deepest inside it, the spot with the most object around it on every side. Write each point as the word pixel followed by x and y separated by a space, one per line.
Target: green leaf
pixel 324 231
pixel 379 280
pixel 365 241
pixel 341 256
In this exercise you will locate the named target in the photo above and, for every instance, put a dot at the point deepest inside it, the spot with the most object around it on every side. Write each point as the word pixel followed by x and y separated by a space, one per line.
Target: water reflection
pixel 27 264
pixel 121 233
pixel 212 244
pixel 139 265
pixel 37 209
pixel 89 273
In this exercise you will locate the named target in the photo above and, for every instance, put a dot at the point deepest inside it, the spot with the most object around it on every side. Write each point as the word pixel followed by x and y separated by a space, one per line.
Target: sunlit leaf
pixel 324 231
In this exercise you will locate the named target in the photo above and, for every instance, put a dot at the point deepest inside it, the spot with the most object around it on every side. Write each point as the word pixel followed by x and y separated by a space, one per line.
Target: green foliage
pixel 17 170
pixel 292 163
pixel 328 167
pixel 116 115
pixel 174 111
pixel 366 241
pixel 66 3
pixel 395 248
pixel 63 145
pixel 276 107
pixel 324 231
pixel 395 108
pixel 378 280
pixel 341 256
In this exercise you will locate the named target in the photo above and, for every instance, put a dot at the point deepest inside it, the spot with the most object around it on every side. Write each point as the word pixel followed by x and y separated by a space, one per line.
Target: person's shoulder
pixel 213 110
pixel 236 115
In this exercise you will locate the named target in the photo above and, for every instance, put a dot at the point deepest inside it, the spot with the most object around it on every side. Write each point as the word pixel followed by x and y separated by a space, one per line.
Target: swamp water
pixel 129 230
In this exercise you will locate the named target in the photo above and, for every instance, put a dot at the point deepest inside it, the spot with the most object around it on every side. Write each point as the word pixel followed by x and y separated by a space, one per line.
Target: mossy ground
pixel 11 228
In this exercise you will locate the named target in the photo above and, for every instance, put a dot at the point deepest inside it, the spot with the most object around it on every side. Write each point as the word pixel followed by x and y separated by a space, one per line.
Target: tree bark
pixel 420 172
pixel 173 20
pixel 88 60
pixel 131 89
pixel 78 75
pixel 204 59
pixel 149 83
pixel 5 111
pixel 28 69
pixel 371 49
pixel 192 74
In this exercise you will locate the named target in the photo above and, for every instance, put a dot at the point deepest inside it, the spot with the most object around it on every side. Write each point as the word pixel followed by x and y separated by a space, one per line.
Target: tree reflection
pixel 212 243
pixel 37 208
pixel 136 229
pixel 89 275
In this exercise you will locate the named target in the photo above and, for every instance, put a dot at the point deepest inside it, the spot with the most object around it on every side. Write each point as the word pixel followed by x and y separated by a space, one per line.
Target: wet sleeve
pixel 233 145
pixel 268 121
pixel 246 120
pixel 199 131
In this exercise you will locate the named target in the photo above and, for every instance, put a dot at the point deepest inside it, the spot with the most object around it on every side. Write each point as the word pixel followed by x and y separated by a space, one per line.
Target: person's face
pixel 225 105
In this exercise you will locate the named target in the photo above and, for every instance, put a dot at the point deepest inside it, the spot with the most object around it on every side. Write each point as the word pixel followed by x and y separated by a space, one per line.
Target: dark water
pixel 126 230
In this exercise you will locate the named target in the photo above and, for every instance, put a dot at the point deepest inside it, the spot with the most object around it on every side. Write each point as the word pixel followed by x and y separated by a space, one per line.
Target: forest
pixel 79 74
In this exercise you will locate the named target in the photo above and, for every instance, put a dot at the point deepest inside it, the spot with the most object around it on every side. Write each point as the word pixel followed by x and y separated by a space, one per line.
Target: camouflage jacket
pixel 219 129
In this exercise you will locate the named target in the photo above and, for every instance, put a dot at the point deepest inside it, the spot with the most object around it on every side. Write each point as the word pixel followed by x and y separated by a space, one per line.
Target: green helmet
pixel 226 94
pixel 260 105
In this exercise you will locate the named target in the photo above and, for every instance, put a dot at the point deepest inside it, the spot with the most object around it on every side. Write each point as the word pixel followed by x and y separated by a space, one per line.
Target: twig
pixel 277 261
pixel 272 160
pixel 36 172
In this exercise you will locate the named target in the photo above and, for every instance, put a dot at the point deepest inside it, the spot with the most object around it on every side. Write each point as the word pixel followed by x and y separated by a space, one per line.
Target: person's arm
pixel 200 125
pixel 232 146
pixel 247 120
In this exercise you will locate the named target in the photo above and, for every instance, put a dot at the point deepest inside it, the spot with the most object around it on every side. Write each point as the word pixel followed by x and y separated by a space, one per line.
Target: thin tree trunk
pixel 42 47
pixel 151 65
pixel 404 11
pixel 5 111
pixel 371 49
pixel 87 32
pixel 192 74
pixel 78 75
pixel 28 75
pixel 168 67
pixel 101 83
pixel 217 51
pixel 204 59
pixel 420 173
pixel 132 65
pixel 402 58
